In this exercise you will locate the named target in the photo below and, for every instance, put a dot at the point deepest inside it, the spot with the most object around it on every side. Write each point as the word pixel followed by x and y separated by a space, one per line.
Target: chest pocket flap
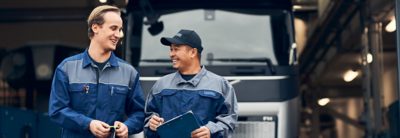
pixel 118 97
pixel 119 90
pixel 210 94
pixel 80 96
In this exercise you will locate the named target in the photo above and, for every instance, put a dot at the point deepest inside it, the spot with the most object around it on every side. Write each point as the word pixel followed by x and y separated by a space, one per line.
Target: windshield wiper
pixel 272 69
pixel 160 60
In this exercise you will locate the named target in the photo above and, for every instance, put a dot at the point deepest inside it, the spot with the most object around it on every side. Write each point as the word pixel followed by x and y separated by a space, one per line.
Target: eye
pixel 113 28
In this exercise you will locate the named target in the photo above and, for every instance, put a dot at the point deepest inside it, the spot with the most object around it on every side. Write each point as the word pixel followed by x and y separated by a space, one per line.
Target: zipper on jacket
pixel 97 79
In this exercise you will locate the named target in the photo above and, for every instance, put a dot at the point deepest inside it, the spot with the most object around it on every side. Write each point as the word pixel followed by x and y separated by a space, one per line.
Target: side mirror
pixel 156 28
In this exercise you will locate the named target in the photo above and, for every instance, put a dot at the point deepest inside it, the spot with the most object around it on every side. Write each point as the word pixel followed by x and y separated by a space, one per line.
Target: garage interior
pixel 347 60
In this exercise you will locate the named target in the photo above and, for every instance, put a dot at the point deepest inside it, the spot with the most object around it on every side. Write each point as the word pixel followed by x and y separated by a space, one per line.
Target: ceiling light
pixel 323 101
pixel 391 26
pixel 350 75
pixel 369 58
pixel 102 1
pixel 297 7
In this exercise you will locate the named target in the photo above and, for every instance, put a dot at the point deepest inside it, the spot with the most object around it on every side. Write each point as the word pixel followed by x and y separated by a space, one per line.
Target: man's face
pixel 182 56
pixel 109 34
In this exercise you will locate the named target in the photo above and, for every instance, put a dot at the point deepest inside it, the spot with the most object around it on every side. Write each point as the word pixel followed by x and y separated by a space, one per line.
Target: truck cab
pixel 250 43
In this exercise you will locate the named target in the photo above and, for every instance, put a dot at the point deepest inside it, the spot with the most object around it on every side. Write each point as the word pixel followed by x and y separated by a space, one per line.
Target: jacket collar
pixel 87 60
pixel 178 80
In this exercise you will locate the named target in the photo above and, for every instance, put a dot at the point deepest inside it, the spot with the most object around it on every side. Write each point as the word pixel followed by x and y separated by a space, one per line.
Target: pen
pixel 115 127
pixel 86 88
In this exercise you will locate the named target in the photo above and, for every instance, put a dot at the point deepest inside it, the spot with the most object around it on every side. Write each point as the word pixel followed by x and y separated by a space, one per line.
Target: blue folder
pixel 179 127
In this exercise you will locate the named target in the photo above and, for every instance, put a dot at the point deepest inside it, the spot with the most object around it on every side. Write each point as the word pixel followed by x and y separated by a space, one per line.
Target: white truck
pixel 250 43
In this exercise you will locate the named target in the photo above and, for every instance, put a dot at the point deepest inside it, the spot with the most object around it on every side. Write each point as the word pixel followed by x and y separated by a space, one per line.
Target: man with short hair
pixel 93 92
pixel 209 96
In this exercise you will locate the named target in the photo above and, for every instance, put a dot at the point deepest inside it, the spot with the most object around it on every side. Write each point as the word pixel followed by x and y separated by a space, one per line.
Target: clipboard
pixel 179 127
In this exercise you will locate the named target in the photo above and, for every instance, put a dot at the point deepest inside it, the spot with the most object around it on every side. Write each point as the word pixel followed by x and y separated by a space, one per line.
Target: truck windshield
pixel 224 34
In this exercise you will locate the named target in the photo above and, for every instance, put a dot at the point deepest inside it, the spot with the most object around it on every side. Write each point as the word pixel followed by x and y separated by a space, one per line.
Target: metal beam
pixel 315 120
pixel 398 51
pixel 375 44
pixel 345 10
pixel 339 91
pixel 43 14
pixel 366 76
pixel 342 117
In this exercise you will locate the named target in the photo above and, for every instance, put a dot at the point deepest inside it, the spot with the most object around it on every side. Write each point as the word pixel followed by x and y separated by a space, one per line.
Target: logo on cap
pixel 179 34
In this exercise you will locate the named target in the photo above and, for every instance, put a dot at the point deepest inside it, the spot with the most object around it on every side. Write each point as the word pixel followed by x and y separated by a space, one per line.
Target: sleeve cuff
pixel 212 126
pixel 86 122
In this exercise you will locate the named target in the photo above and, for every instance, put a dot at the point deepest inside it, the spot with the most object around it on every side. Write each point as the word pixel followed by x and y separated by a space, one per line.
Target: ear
pixel 194 52
pixel 95 28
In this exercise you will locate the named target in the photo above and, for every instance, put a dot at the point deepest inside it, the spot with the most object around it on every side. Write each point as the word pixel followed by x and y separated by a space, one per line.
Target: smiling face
pixel 182 56
pixel 109 33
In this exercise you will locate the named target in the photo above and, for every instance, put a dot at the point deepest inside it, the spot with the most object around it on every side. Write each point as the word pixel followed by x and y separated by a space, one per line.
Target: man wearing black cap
pixel 211 98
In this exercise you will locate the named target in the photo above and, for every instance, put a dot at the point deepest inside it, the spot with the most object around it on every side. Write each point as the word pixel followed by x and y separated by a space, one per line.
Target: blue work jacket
pixel 211 98
pixel 81 92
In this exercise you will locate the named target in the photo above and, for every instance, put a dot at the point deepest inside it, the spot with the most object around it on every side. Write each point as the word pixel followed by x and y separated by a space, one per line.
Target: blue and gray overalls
pixel 81 92
pixel 211 98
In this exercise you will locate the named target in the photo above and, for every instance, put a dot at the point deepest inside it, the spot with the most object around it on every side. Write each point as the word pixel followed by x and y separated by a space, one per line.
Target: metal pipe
pixel 315 120
pixel 397 14
pixel 374 33
pixel 366 86
pixel 343 117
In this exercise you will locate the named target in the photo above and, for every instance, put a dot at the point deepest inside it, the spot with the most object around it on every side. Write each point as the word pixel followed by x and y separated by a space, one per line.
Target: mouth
pixel 174 61
pixel 114 41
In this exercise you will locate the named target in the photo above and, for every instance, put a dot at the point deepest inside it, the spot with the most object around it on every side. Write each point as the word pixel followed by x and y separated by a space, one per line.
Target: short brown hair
pixel 96 16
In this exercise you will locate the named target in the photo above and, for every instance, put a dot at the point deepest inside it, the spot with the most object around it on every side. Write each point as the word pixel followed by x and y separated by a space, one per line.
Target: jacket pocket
pixel 118 98
pixel 207 104
pixel 170 102
pixel 168 92
pixel 79 96
pixel 209 94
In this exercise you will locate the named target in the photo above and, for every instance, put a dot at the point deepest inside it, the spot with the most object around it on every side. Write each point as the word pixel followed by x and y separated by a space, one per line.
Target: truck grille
pixel 255 129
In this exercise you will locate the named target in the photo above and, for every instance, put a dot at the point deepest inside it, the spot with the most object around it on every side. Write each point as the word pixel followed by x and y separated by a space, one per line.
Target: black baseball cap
pixel 187 37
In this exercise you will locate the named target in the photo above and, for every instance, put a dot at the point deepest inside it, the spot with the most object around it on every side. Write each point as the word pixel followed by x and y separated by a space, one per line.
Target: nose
pixel 119 34
pixel 171 53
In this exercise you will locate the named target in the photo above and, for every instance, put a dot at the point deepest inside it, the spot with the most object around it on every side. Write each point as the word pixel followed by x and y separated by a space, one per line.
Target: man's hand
pixel 154 122
pixel 121 129
pixel 99 128
pixel 202 132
